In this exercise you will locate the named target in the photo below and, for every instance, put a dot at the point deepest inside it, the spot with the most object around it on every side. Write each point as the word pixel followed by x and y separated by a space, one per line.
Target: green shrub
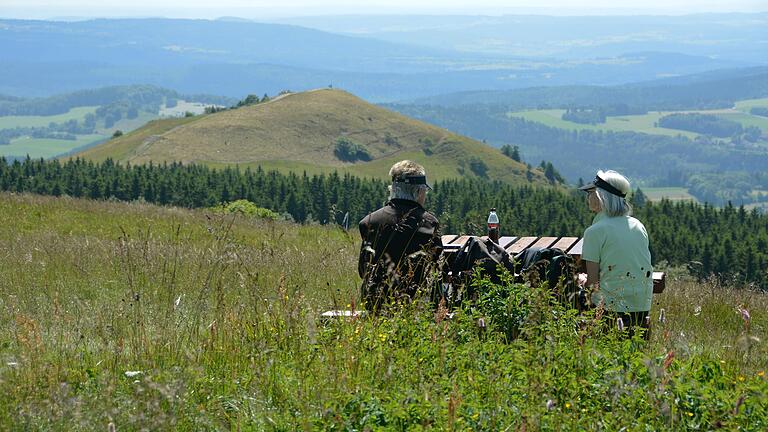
pixel 349 151
pixel 249 209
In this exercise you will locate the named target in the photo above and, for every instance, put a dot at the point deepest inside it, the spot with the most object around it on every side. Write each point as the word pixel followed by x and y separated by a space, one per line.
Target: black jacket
pixel 401 241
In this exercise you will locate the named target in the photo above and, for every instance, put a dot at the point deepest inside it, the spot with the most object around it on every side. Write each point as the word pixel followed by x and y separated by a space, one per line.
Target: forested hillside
pixel 733 243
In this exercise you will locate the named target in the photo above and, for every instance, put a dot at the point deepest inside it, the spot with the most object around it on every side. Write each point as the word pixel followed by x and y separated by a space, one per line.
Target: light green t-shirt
pixel 620 245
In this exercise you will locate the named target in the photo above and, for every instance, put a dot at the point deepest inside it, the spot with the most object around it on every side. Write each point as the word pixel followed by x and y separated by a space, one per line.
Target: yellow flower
pixel 567 404
pixel 761 374
pixel 583 410
pixel 741 378
pixel 690 414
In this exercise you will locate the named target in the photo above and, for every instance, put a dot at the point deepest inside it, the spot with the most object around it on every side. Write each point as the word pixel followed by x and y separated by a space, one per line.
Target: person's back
pixel 400 241
pixel 616 252
pixel 620 244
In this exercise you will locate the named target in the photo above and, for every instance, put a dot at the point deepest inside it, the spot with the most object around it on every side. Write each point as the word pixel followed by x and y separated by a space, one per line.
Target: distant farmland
pixel 670 193
pixel 646 123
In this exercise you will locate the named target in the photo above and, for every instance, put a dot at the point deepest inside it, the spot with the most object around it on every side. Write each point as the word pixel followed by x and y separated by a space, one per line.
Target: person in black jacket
pixel 400 241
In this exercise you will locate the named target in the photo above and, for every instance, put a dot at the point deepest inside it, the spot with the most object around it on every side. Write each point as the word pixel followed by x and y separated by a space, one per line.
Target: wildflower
pixel 690 414
pixel 567 404
pixel 662 316
pixel 744 314
pixel 131 374
pixel 741 378
pixel 620 324
pixel 550 404
pixel 761 374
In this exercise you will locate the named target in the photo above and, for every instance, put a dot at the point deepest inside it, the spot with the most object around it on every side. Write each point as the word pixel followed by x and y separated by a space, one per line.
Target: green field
pixel 129 316
pixel 746 105
pixel 46 147
pixel 635 123
pixel 645 123
pixel 10 122
pixel 670 193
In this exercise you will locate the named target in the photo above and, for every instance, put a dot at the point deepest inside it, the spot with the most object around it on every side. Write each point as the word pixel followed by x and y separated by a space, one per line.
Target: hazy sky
pixel 278 8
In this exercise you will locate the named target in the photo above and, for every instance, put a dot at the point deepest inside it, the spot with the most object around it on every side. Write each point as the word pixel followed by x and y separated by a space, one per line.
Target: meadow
pixel 670 193
pixel 151 318
pixel 645 123
pixel 78 113
pixel 46 147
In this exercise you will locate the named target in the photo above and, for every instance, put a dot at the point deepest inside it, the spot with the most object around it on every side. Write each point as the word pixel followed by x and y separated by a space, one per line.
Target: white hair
pixel 400 190
pixel 614 205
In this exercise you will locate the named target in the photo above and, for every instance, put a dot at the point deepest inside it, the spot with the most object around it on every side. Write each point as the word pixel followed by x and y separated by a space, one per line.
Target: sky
pixel 255 9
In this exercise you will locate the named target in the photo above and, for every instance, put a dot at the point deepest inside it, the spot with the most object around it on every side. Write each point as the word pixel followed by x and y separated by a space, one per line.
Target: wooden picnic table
pixel 517 245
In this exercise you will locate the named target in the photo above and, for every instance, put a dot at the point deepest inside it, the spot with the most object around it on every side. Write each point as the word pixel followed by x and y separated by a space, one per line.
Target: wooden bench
pixel 516 245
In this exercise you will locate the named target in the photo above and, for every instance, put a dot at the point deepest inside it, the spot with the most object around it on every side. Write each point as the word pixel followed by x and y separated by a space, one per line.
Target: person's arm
pixel 593 274
pixel 366 251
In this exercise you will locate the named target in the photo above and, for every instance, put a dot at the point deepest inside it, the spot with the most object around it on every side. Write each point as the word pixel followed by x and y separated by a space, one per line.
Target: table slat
pixel 505 241
pixel 521 244
pixel 544 242
pixel 448 238
pixel 460 241
pixel 576 249
pixel 565 243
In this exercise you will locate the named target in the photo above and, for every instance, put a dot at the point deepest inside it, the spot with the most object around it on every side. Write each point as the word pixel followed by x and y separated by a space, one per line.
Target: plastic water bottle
pixel 493 226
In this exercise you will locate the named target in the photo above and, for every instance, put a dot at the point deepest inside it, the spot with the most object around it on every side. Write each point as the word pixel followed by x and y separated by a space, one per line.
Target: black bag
pixel 557 269
pixel 481 254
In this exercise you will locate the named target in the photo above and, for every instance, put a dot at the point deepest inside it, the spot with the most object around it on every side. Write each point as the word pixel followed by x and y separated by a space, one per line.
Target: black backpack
pixel 557 269
pixel 477 253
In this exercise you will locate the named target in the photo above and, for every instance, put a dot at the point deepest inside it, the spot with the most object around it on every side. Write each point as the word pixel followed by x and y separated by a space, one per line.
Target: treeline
pixel 133 96
pixel 730 242
pixel 707 124
pixel 736 186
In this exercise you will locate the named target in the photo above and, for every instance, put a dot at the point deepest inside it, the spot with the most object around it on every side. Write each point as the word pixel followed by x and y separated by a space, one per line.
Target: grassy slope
pixel 219 318
pixel 298 132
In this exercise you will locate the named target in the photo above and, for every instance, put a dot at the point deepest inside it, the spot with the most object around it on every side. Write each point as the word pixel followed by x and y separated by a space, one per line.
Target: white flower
pixel 131 374
pixel 550 404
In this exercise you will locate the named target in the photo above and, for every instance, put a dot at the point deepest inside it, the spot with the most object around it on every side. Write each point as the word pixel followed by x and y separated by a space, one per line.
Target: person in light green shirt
pixel 615 249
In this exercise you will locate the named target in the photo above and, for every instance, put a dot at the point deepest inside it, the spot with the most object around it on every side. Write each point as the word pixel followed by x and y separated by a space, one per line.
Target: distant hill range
pixel 314 131
pixel 237 57
pixel 714 89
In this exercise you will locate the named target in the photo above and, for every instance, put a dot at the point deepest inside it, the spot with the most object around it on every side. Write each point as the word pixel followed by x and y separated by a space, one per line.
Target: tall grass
pixel 150 318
